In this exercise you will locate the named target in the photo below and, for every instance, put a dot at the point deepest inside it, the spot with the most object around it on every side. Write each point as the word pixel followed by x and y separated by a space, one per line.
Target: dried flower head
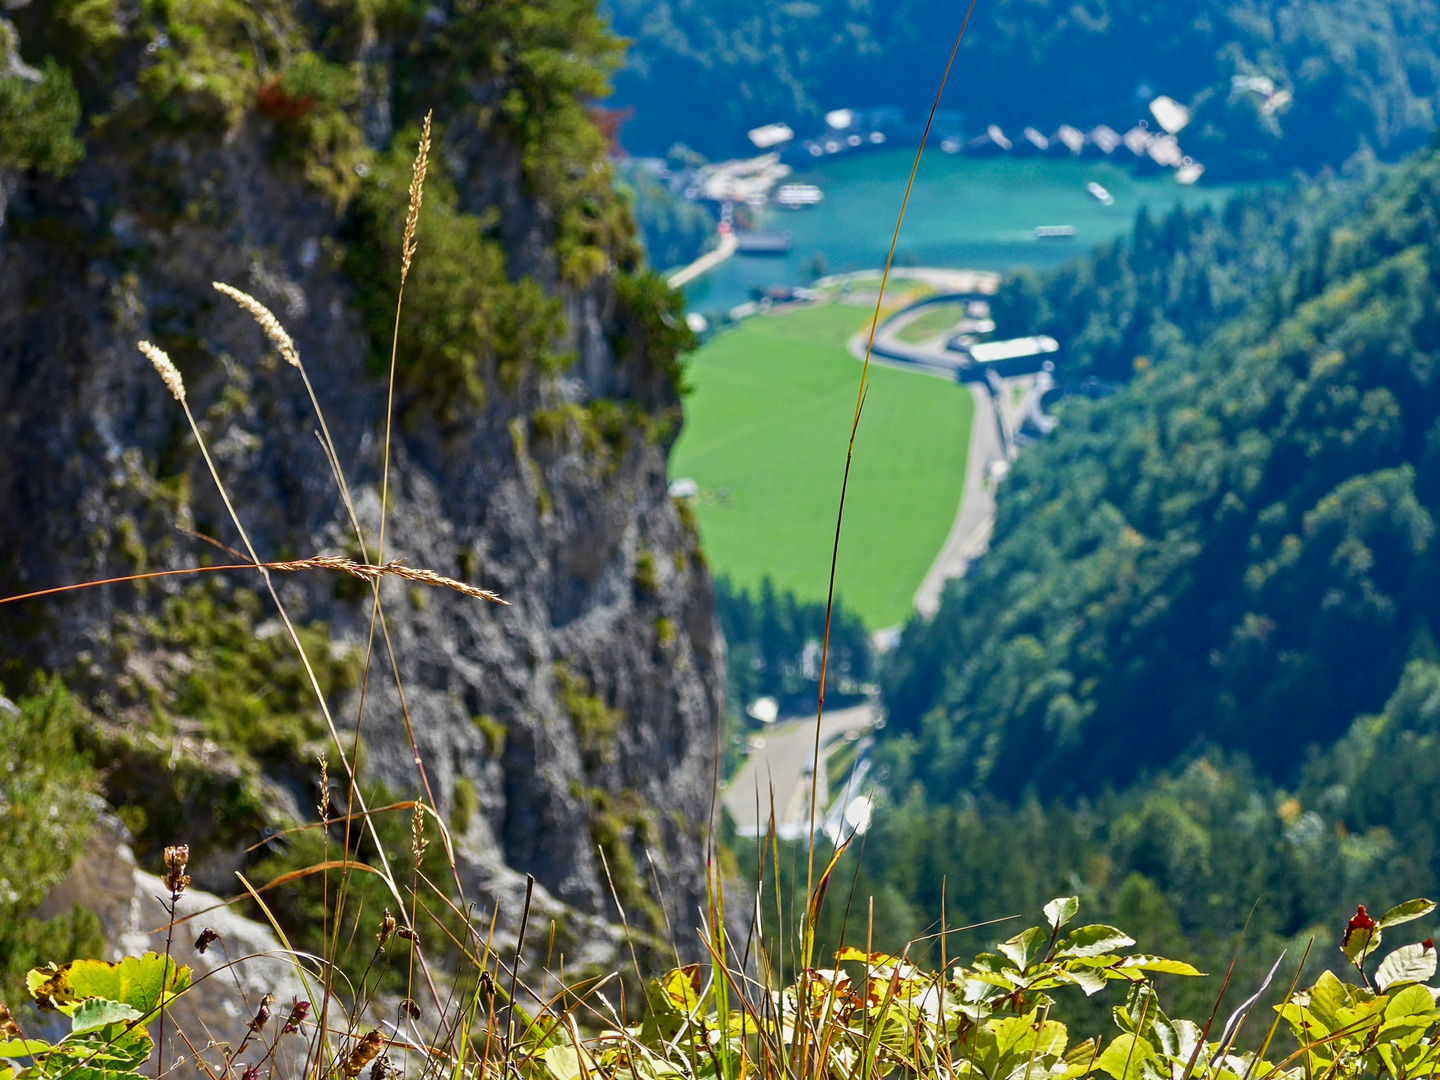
pixel 410 1009
pixel 298 1012
pixel 267 320
pixel 252 1072
pixel 207 937
pixel 387 928
pixel 417 196
pixel 382 1069
pixel 166 367
pixel 262 1014
pixel 8 1028
pixel 176 859
pixel 408 934
pixel 364 1053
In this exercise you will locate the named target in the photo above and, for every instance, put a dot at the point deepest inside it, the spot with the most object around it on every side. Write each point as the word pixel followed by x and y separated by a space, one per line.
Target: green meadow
pixel 766 426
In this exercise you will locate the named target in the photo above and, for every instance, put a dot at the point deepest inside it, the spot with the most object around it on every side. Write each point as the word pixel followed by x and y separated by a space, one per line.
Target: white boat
pixel 1099 194
pixel 1189 172
pixel 1054 232
pixel 794 196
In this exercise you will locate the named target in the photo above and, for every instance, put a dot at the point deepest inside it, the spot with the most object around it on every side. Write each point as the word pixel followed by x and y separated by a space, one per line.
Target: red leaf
pixel 1360 921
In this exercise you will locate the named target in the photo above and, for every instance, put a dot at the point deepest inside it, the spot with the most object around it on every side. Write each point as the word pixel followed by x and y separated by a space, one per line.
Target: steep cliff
pixel 268 145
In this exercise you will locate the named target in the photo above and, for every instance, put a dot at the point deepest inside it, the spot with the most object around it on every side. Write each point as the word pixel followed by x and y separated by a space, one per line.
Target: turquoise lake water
pixel 963 212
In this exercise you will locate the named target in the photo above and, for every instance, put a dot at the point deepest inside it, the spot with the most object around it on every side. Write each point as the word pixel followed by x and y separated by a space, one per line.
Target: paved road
pixel 782 765
pixel 708 261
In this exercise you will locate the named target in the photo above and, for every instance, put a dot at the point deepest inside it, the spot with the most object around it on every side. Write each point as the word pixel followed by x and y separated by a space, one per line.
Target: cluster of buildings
pixel 1150 144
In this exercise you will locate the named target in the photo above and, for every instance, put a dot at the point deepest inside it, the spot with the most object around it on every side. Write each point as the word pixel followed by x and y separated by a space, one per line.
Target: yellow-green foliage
pixel 315 106
pixel 618 823
pixel 223 668
pixel 467 324
pixel 494 733
pixel 549 61
pixel 595 723
pixel 241 679
pixel 38 119
pixel 646 579
pixel 466 801
pixel 44 821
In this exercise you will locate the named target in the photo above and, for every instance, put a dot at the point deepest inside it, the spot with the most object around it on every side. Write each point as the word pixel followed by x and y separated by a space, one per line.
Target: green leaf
pixel 1018 949
pixel 1061 910
pixel 137 981
pixel 1327 998
pixel 1409 963
pixel 93 1013
pixel 1093 941
pixel 19 1048
pixel 1413 1001
pixel 1403 913
pixel 1089 980
pixel 1158 964
pixel 563 1063
pixel 1125 1057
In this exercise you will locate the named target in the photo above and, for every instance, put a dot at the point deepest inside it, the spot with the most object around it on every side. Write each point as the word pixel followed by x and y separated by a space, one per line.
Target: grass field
pixel 937 320
pixel 764 437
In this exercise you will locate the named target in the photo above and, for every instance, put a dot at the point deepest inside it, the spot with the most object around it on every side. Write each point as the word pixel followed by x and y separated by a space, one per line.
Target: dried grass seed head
pixel 277 334
pixel 418 843
pixel 324 806
pixel 417 196
pixel 394 568
pixel 166 367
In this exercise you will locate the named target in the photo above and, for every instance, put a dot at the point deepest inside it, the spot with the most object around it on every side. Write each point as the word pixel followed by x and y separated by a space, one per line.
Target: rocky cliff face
pixel 582 717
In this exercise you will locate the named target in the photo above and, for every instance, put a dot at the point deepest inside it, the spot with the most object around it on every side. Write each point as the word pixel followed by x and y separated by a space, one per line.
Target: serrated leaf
pixel 1061 910
pixel 1409 963
pixel 93 1013
pixel 1403 913
pixel 1093 941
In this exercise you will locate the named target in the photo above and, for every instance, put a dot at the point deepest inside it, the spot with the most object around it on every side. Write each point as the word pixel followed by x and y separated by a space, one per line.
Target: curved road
pixel 975 516
pixel 779 766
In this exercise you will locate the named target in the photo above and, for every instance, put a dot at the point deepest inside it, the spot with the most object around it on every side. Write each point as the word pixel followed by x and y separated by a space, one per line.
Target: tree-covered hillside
pixel 1238 549
pixel 1195 680
pixel 1357 72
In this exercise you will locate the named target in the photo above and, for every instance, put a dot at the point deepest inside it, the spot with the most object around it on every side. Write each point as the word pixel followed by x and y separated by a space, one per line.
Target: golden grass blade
pixel 849 454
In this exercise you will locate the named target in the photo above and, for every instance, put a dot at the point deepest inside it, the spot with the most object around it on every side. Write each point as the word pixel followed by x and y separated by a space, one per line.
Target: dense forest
pixel 1275 85
pixel 1197 670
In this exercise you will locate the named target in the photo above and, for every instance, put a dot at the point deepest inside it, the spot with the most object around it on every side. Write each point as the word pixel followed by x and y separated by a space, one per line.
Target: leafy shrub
pixel 45 819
